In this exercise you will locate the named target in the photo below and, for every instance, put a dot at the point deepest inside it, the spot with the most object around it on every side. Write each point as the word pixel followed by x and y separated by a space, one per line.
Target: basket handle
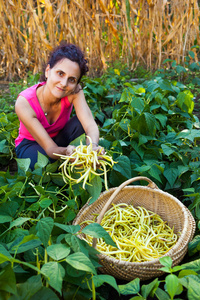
pixel 120 187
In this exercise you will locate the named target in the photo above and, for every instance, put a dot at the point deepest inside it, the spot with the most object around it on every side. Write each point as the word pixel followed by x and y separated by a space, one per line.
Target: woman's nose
pixel 64 81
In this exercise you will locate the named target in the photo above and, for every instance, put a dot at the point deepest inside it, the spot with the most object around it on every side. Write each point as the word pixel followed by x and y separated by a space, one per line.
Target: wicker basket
pixel 152 198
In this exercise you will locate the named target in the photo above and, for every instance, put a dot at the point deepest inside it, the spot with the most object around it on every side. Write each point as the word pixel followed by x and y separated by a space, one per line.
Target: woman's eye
pixel 72 80
pixel 60 73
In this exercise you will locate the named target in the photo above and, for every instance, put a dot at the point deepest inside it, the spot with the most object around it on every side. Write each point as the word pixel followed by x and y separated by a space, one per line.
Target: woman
pixel 44 109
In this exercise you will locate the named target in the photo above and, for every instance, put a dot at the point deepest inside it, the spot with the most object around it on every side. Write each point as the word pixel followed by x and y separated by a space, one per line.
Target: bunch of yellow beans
pixel 140 235
pixel 83 163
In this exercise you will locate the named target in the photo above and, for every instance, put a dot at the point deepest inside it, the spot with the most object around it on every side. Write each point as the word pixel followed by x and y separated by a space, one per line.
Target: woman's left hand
pixel 69 150
pixel 99 149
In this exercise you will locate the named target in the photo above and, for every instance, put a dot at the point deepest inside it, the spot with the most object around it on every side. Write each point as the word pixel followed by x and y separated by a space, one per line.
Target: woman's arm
pixel 85 116
pixel 28 117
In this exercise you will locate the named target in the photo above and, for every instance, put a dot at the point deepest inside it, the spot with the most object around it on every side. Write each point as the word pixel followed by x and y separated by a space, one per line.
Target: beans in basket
pixel 141 235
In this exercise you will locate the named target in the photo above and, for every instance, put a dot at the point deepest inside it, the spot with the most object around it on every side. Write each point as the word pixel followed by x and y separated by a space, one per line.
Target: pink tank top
pixel 52 129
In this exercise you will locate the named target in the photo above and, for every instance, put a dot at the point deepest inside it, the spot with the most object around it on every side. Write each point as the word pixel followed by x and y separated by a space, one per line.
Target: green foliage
pixel 173 284
pixel 36 234
pixel 147 123
pixel 9 125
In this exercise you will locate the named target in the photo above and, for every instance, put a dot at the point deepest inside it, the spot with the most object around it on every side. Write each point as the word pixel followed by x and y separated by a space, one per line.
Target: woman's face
pixel 62 79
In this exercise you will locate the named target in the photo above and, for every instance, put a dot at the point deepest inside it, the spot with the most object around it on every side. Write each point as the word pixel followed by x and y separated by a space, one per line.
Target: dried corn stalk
pixel 145 32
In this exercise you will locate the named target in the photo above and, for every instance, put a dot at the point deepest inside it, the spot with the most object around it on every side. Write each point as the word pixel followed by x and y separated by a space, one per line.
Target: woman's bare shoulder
pixel 22 106
pixel 21 99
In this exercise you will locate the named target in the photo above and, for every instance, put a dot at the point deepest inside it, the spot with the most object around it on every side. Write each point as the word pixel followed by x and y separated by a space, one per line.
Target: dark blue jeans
pixel 30 149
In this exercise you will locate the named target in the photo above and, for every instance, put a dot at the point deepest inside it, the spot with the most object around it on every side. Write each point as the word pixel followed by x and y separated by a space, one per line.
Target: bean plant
pixel 149 127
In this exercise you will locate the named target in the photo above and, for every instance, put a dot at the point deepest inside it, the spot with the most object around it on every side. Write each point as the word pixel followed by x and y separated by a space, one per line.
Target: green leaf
pixel 8 211
pixel 39 190
pixel 196 80
pixel 4 147
pixel 142 169
pixel 44 294
pixel 137 103
pixel 81 262
pixel 75 244
pixel 52 167
pixel 155 173
pixel 4 258
pixel 168 60
pixel 108 123
pixel 194 245
pixel 143 139
pixel 70 215
pixel 177 268
pixel 18 222
pixel 171 175
pixel 193 287
pixel 44 228
pixel 123 166
pixel 150 122
pixel 191 53
pixel 185 273
pixel 185 101
pixel 68 228
pixel 162 119
pixel 34 207
pixel 190 135
pixel 42 161
pixel 26 243
pixel 192 283
pixel 124 97
pixel 140 90
pixel 180 69
pixel 76 142
pixel 167 150
pixel 146 289
pixel 152 86
pixel 193 265
pixel 4 251
pixel 28 265
pixel 129 288
pixel 166 86
pixel 23 164
pixel 94 189
pixel 100 279
pixel 97 231
pixel 4 218
pixel 166 261
pixel 161 295
pixel 172 284
pixel 124 124
pixel 7 280
pixel 55 274
pixel 58 251
pixel 29 288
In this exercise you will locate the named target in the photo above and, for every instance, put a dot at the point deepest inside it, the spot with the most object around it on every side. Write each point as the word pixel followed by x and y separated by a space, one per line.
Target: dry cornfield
pixel 130 31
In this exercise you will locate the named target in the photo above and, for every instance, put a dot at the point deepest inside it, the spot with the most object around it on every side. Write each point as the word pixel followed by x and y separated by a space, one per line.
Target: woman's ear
pixel 47 71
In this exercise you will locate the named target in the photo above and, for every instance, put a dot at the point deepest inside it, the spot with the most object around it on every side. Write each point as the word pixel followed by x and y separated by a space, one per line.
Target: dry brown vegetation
pixel 131 31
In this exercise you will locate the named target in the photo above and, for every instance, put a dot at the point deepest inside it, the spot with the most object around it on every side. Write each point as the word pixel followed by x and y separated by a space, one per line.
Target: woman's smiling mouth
pixel 63 90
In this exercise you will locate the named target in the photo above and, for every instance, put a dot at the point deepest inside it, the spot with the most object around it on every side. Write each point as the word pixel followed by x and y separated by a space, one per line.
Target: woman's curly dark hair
pixel 70 51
